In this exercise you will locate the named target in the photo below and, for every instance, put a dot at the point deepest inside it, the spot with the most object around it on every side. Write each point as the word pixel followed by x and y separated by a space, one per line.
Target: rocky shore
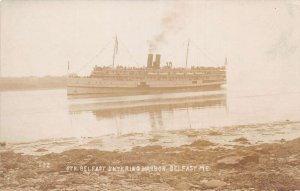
pixel 203 164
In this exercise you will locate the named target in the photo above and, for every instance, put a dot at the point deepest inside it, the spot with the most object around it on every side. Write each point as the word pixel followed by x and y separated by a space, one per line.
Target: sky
pixel 260 38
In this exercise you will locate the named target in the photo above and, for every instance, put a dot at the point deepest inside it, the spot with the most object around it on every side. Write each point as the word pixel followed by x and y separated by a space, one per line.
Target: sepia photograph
pixel 150 95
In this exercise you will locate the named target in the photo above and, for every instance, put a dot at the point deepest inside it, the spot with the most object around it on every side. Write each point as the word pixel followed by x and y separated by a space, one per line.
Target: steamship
pixel 153 78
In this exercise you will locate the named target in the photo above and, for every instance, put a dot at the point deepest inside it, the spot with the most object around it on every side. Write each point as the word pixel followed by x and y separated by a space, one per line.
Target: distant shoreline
pixel 32 83
pixel 31 89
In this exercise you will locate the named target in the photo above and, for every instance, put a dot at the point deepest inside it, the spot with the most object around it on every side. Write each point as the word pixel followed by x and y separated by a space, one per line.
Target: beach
pixel 208 159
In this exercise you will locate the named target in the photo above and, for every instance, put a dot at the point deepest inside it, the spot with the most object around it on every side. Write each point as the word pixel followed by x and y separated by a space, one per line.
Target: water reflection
pixel 160 110
pixel 158 107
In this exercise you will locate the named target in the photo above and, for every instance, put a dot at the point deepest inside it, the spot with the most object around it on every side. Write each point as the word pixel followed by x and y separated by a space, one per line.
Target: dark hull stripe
pixel 135 91
pixel 147 88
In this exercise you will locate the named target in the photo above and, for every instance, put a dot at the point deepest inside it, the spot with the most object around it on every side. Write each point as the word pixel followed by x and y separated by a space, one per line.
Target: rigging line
pixel 205 54
pixel 130 55
pixel 172 54
pixel 93 58
pixel 173 51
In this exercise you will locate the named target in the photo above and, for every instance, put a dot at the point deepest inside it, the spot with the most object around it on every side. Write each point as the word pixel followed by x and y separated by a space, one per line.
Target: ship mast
pixel 115 50
pixel 187 53
pixel 0 38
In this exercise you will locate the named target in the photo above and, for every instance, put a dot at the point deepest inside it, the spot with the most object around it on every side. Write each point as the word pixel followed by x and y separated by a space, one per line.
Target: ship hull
pixel 119 91
pixel 94 86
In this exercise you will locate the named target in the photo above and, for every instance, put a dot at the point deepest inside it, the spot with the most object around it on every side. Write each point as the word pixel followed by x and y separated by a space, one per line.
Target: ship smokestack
pixel 150 60
pixel 156 64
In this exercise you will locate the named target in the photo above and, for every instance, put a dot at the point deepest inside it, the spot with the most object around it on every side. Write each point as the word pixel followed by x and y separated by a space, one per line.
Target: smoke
pixel 172 22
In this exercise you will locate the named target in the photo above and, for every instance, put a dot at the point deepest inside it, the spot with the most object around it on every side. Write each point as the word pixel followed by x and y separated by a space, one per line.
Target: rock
pixel 149 148
pixel 242 140
pixel 15 183
pixel 215 133
pixel 103 179
pixel 201 143
pixel 233 161
pixel 182 186
pixel 60 187
pixel 262 150
pixel 153 140
pixel 41 150
pixel 254 158
pixel 214 184
pixel 198 187
pixel 61 180
pixel 230 161
pixel 282 140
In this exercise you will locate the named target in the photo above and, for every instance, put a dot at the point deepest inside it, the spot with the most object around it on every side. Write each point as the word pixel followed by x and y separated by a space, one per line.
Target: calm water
pixel 43 114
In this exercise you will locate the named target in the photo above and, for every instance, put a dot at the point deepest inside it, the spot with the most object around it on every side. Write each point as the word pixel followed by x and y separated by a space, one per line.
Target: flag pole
pixel 187 54
pixel 115 50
